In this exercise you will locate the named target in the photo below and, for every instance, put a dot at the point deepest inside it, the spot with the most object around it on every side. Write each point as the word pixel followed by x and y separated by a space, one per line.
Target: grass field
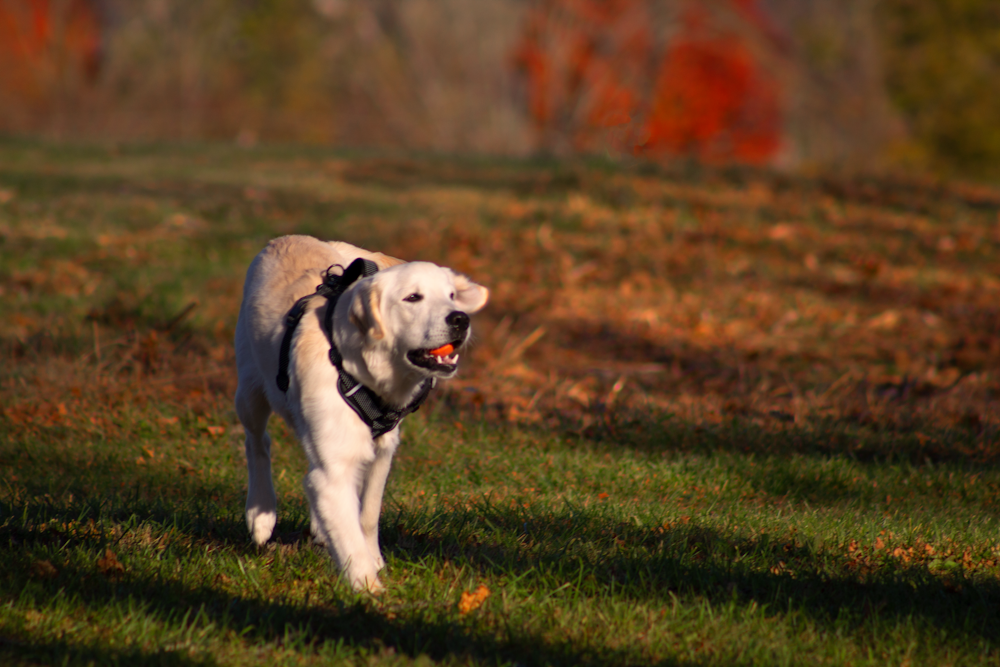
pixel 712 417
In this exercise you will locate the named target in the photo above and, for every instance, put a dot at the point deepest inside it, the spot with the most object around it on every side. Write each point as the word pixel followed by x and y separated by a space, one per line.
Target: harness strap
pixel 379 417
pixel 370 407
pixel 331 287
pixel 291 321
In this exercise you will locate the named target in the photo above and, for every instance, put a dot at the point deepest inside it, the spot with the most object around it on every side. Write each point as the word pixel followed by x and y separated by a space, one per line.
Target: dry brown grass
pixel 762 297
pixel 710 295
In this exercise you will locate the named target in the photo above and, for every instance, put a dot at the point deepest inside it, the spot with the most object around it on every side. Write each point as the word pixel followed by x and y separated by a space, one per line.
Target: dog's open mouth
pixel 433 360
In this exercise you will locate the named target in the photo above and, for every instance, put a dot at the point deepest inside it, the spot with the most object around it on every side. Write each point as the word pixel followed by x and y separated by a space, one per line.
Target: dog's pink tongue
pixel 443 351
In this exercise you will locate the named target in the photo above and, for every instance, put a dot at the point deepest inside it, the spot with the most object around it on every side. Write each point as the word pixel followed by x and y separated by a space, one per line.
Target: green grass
pixel 777 529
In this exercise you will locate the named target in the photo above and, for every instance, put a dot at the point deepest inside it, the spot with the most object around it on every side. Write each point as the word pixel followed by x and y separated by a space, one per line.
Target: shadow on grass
pixel 655 431
pixel 601 557
pixel 62 652
pixel 346 624
pixel 605 556
pixel 892 420
pixel 67 489
pixel 355 623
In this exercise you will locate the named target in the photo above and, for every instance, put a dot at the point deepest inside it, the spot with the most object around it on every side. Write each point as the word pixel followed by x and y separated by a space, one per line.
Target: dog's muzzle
pixel 446 365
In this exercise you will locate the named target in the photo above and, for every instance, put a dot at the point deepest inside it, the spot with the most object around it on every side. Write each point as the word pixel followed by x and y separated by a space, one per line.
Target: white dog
pixel 390 337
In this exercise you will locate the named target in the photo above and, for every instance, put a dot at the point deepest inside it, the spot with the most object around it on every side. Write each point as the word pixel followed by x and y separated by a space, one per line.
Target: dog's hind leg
pixel 261 511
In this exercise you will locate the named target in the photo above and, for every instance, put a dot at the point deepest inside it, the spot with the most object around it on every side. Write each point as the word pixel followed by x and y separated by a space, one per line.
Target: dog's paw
pixel 364 577
pixel 377 587
pixel 261 525
pixel 371 584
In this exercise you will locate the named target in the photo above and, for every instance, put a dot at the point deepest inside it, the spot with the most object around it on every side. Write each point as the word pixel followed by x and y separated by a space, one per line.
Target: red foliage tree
pixel 711 99
pixel 584 63
pixel 42 41
pixel 594 75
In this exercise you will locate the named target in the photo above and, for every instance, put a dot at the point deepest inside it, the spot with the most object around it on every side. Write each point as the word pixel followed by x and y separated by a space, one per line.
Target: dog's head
pixel 417 313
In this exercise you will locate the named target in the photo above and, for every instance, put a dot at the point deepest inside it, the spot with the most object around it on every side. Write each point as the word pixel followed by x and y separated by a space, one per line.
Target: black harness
pixel 373 411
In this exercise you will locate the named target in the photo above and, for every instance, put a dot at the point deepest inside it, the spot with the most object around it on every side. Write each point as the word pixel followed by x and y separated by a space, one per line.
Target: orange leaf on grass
pixel 43 569
pixel 474 600
pixel 109 566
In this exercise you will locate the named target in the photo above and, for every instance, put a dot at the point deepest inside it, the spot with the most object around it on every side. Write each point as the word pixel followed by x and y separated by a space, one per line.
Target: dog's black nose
pixel 457 320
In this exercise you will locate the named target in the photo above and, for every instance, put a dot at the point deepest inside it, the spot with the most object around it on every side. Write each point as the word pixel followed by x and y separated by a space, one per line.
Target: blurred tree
pixel 285 80
pixel 711 99
pixel 791 82
pixel 387 73
pixel 586 65
pixel 836 109
pixel 46 48
pixel 680 78
pixel 943 73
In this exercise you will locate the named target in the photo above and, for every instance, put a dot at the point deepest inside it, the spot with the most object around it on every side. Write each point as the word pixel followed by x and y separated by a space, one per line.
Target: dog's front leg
pixel 374 488
pixel 336 507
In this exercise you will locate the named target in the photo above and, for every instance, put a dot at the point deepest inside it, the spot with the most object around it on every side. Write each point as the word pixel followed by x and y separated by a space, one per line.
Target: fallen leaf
pixel 215 430
pixel 886 321
pixel 780 232
pixel 43 569
pixel 109 565
pixel 474 600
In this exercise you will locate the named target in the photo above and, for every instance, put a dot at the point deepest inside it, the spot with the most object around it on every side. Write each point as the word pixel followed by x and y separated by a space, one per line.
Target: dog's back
pixel 287 269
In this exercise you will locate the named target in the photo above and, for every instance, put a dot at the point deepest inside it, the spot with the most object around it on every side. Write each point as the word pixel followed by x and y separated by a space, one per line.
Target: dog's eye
pixel 413 298
pixel 452 295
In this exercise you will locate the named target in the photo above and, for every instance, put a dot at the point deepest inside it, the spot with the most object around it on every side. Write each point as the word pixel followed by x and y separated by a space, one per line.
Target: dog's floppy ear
pixel 469 296
pixel 366 310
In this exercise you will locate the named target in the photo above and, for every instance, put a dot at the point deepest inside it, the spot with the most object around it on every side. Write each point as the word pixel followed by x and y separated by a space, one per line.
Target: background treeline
pixel 800 83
